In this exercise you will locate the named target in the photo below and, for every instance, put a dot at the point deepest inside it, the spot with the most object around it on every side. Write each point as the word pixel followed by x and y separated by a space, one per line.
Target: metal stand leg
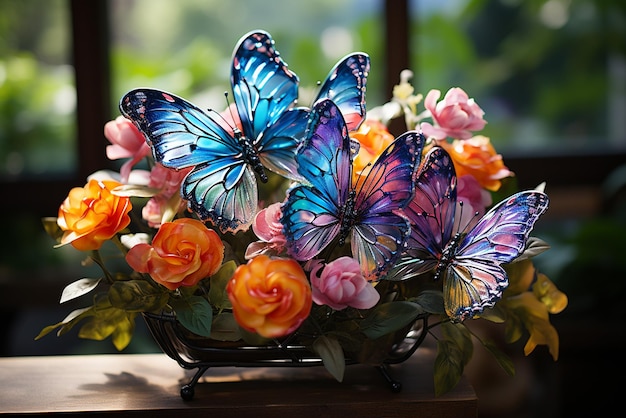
pixel 394 385
pixel 188 390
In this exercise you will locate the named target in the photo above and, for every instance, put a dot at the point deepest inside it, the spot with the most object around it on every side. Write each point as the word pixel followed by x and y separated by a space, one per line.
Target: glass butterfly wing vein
pixel 311 213
pixel 263 87
pixel 380 232
pixel 221 186
pixel 316 214
pixel 475 278
pixel 265 90
pixel 345 85
pixel 431 213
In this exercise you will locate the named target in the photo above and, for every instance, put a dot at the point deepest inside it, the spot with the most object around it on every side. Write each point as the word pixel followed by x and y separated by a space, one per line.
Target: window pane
pixel 550 75
pixel 185 47
pixel 37 95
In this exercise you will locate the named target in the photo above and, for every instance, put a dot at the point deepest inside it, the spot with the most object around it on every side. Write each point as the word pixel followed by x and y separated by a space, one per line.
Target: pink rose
pixel 269 229
pixel 267 225
pixel 455 116
pixel 126 142
pixel 342 284
pixel 163 206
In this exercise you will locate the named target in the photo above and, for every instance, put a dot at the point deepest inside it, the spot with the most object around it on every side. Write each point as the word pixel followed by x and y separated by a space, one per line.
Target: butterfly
pixel 332 207
pixel 222 185
pixel 469 262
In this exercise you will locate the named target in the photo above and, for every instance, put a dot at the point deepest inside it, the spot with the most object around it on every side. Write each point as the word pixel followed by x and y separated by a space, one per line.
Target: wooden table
pixel 149 385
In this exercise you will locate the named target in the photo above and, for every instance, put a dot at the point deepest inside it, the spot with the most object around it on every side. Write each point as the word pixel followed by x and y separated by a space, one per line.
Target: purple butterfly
pixel 469 262
pixel 332 207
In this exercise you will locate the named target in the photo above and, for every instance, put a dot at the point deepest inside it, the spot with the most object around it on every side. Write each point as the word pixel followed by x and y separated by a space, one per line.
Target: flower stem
pixel 97 258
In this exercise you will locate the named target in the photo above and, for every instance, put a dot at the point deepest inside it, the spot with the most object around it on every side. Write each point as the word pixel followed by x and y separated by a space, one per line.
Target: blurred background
pixel 550 75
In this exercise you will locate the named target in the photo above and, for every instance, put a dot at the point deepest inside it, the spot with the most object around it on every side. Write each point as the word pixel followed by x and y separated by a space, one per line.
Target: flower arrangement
pixel 255 282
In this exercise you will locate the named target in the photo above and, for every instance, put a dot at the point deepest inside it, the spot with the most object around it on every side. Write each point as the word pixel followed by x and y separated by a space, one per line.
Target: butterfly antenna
pixel 466 227
pixel 234 128
pixel 228 105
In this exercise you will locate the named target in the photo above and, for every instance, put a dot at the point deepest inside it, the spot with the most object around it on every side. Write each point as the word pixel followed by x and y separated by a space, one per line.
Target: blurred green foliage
pixel 37 96
pixel 550 74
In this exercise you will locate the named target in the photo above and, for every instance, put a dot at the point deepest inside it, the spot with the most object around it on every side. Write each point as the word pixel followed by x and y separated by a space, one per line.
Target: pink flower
pixel 163 206
pixel 455 116
pixel 126 142
pixel 342 284
pixel 269 229
pixel 475 200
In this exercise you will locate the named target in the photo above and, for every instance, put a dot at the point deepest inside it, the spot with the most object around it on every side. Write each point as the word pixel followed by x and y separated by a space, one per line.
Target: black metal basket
pixel 194 352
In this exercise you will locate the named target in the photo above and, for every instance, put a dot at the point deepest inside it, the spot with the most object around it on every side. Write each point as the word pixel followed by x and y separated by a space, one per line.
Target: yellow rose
pixel 92 214
pixel 270 296
pixel 182 253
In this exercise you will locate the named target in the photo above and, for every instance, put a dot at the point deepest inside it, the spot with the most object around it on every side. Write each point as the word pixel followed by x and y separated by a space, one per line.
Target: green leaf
pixel 503 360
pixel 448 367
pixel 389 317
pixel 331 353
pixel 493 314
pixel 78 288
pixel 225 328
pixel 217 293
pixel 110 321
pixel 66 324
pixel 431 301
pixel 52 228
pixel 137 296
pixel 106 320
pixel 123 333
pixel 252 338
pixel 454 351
pixel 194 313
pixel 461 337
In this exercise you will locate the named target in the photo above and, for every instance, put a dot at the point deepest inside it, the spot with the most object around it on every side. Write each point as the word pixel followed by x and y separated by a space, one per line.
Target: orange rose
pixel 182 253
pixel 477 157
pixel 92 214
pixel 374 137
pixel 270 296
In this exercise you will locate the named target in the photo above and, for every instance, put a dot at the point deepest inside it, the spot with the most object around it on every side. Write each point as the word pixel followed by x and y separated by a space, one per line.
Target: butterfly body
pixel 226 160
pixel 468 260
pixel 347 217
pixel 330 207
pixel 250 154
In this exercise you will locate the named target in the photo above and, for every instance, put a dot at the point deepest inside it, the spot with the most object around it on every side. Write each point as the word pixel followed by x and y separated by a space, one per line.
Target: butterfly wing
pixel 263 87
pixel 265 91
pixel 220 187
pixel 311 213
pixel 380 232
pixel 431 214
pixel 474 278
pixel 345 85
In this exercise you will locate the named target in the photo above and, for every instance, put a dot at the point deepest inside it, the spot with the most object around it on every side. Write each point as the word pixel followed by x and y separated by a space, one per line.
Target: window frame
pixel 90 56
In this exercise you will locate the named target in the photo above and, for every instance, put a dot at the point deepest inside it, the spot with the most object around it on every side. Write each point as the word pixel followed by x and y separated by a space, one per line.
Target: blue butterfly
pixel 470 263
pixel 222 186
pixel 332 207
